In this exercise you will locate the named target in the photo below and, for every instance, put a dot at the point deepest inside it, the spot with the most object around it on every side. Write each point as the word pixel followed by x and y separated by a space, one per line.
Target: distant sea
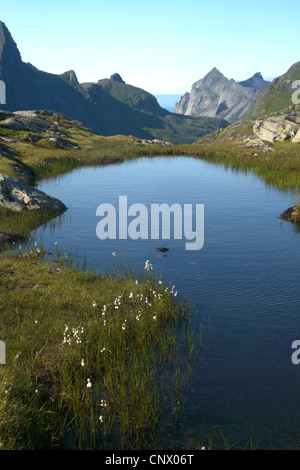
pixel 168 101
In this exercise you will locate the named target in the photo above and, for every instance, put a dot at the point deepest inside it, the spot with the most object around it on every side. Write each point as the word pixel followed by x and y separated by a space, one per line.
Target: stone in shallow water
pixel 289 213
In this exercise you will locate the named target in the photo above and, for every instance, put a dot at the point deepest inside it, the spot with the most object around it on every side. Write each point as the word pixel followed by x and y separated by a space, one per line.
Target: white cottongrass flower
pixel 101 419
pixel 82 362
pixel 89 383
pixel 94 304
pixel 148 265
pixel 74 335
pixel 155 317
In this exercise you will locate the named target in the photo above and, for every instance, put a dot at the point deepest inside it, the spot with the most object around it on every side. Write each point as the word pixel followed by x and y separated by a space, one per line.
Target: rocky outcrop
pixel 216 96
pixel 278 128
pixel 117 78
pixel 258 144
pixel 159 143
pixel 41 128
pixel 71 78
pixel 20 197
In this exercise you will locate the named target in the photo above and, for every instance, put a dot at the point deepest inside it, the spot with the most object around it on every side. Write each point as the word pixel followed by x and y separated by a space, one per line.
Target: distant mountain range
pixel 109 106
pixel 217 96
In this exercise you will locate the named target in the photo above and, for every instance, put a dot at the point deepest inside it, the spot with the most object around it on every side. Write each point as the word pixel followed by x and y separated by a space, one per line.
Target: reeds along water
pixel 99 363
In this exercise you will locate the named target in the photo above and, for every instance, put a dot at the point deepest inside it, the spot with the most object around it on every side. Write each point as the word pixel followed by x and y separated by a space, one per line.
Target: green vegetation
pixel 92 361
pixel 296 216
pixel 19 224
pixel 278 95
pixel 280 169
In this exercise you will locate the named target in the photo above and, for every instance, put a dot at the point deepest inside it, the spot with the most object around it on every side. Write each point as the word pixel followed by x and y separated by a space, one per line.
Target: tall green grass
pixel 92 361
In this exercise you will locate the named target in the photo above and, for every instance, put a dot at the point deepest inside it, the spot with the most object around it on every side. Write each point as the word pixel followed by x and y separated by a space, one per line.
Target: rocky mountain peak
pixel 257 82
pixel 70 77
pixel 213 76
pixel 9 53
pixel 117 78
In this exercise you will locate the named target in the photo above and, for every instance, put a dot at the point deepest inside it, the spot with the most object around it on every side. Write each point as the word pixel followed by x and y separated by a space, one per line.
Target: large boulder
pixel 20 197
pixel 276 128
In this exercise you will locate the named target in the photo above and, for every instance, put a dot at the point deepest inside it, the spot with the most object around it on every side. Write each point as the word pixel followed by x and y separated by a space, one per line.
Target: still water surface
pixel 245 278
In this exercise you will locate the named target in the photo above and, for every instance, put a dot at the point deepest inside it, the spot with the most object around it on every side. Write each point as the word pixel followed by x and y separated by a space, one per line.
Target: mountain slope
pixel 278 95
pixel 109 107
pixel 216 96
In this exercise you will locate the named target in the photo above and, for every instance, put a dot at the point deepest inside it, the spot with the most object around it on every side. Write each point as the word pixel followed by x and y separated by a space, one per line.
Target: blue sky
pixel 162 46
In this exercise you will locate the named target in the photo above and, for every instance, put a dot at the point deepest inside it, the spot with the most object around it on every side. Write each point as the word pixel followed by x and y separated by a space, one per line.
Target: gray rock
pixel 275 128
pixel 20 197
pixel 259 144
pixel 160 143
pixel 25 123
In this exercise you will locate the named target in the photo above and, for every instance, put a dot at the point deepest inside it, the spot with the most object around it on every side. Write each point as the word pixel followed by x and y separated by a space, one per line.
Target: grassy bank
pixel 92 361
pixel 48 159
pixel 280 169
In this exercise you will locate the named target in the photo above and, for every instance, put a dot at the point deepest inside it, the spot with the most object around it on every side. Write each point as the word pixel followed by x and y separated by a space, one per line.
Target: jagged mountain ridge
pixel 109 107
pixel 217 96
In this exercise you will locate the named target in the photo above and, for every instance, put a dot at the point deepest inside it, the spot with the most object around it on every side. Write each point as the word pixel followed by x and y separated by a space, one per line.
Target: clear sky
pixel 162 46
